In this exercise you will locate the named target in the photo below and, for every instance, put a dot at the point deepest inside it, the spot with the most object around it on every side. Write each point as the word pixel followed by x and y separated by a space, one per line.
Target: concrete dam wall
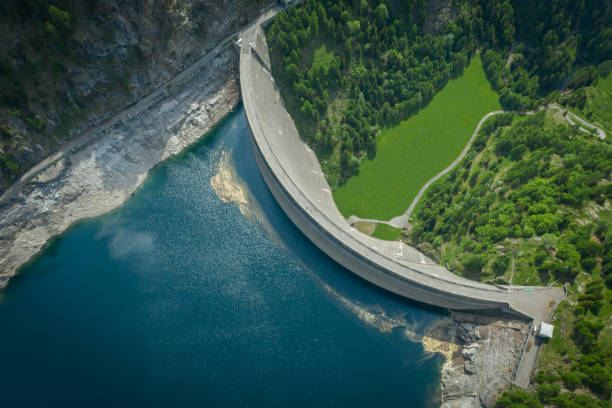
pixel 293 174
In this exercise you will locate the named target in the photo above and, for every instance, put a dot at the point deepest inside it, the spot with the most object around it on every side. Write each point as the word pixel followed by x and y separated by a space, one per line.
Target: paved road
pixel 572 118
pixel 143 104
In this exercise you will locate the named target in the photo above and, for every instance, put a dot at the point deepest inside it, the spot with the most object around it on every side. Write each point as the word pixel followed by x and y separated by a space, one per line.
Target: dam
pixel 293 174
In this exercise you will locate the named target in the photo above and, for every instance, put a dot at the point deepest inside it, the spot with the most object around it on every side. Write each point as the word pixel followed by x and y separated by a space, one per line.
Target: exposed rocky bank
pixel 100 176
pixel 480 352
pixel 56 81
pixel 487 354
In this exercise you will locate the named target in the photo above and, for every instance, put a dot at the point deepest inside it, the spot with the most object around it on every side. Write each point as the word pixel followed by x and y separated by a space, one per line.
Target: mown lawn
pixel 412 152
pixel 386 232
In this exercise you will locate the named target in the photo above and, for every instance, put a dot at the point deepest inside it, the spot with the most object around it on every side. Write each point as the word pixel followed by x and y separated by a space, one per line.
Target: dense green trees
pixel 380 71
pixel 384 67
pixel 524 199
pixel 549 173
pixel 551 42
pixel 50 24
pixel 520 206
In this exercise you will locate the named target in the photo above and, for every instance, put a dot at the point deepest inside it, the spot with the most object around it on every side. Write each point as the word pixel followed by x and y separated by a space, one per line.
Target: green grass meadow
pixel 412 152
pixel 386 232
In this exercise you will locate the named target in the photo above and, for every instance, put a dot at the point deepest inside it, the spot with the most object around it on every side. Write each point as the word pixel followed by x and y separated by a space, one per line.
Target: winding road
pixel 403 220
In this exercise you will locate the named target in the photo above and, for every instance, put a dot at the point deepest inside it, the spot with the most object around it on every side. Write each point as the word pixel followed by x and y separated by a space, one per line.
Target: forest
pixel 381 62
pixel 527 206
pixel 378 71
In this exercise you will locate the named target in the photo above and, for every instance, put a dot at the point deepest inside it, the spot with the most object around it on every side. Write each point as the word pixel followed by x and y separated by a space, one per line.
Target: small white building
pixel 546 330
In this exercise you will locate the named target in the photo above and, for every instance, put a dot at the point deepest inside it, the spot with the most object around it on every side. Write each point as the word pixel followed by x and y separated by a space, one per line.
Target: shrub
pixel 547 392
pixel 59 18
pixel 518 398
pixel 5 133
pixel 571 380
pixel 501 264
pixel 585 334
pixel 474 263
pixel 540 256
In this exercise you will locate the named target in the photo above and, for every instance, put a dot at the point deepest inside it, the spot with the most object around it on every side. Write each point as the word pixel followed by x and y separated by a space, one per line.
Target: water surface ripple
pixel 177 299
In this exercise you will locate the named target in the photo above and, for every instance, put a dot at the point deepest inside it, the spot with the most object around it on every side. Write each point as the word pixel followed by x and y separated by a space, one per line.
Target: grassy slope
pixel 384 231
pixel 418 148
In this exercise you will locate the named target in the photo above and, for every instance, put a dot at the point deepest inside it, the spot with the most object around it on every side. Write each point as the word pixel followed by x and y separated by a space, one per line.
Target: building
pixel 546 330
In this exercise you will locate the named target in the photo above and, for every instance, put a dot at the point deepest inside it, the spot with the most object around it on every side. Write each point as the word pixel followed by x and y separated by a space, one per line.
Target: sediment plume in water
pixel 435 338
pixel 227 186
pixel 230 188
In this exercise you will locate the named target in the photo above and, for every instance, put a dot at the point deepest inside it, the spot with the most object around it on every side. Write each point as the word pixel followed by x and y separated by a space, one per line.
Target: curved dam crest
pixel 293 174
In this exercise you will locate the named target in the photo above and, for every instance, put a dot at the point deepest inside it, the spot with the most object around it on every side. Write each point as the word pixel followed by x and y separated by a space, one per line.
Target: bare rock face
pixel 485 362
pixel 115 53
pixel 99 176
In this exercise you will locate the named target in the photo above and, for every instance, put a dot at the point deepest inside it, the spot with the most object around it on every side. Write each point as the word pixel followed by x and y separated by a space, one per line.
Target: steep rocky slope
pixel 66 64
pixel 93 179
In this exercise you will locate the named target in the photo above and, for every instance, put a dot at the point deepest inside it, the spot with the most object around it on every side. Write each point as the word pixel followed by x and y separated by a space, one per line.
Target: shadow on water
pixel 318 263
pixel 177 299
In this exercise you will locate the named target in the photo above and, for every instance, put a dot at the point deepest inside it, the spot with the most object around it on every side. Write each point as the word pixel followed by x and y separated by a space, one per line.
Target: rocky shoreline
pixel 99 176
pixel 480 351
pixel 483 365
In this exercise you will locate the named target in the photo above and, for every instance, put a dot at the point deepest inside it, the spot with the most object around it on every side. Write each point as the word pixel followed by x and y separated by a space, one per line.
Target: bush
pixel 474 263
pixel 518 398
pixel 540 256
pixel 592 297
pixel 59 18
pixel 588 264
pixel 500 264
pixel 5 133
pixel 595 375
pixel 571 380
pixel 585 334
pixel 547 392
pixel 588 248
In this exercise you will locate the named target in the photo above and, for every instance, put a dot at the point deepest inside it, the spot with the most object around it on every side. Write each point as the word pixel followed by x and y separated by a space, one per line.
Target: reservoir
pixel 180 299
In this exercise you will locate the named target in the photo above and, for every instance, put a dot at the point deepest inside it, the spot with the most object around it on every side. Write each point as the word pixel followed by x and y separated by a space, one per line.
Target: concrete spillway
pixel 293 174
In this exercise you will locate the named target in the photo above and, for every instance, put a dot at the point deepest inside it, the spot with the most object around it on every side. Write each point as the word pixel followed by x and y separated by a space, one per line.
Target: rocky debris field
pixel 483 366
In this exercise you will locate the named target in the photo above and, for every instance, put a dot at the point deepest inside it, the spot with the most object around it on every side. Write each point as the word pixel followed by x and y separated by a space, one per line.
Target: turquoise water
pixel 177 299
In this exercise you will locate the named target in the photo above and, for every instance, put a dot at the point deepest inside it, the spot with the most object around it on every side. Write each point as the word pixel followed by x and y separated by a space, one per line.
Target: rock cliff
pixel 93 179
pixel 66 64
pixel 483 366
